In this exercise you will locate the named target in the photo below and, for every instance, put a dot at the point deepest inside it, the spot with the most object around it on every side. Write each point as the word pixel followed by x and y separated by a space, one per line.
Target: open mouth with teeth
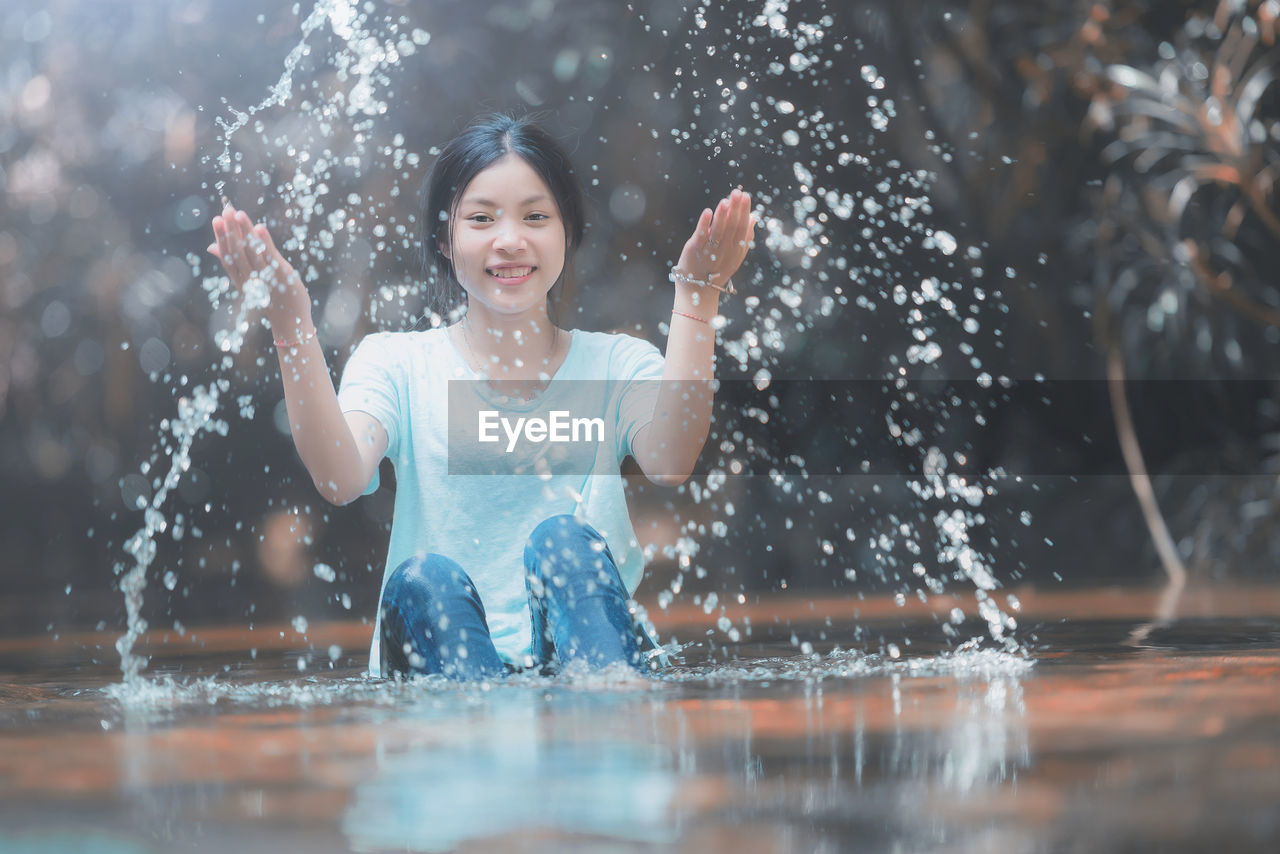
pixel 511 274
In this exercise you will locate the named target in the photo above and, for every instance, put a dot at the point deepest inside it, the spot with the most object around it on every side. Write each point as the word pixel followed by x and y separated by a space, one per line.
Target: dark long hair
pixel 484 142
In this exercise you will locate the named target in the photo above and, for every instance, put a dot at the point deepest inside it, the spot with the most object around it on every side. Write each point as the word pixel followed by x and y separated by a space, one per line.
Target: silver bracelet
pixel 677 276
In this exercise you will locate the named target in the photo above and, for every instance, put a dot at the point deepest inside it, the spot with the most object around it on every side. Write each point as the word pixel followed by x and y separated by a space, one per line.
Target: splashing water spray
pixel 360 64
pixel 748 120
pixel 782 300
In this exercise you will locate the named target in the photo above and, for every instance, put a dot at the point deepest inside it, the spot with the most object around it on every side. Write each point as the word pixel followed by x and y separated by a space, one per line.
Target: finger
pixel 719 223
pixel 257 250
pixel 288 275
pixel 227 223
pixel 688 252
pixel 726 233
pixel 239 257
pixel 736 236
pixel 229 219
pixel 268 245
pixel 269 264
pixel 245 225
pixel 266 238
pixel 270 260
pixel 746 220
pixel 224 243
pixel 249 235
pixel 230 243
pixel 271 250
pixel 696 245
pixel 747 227
pixel 232 218
pixel 250 243
pixel 737 219
pixel 701 230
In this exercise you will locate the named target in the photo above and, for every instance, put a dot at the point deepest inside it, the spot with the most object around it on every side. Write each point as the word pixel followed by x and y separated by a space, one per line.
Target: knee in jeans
pixel 559 534
pixel 426 577
pixel 564 547
pixel 555 532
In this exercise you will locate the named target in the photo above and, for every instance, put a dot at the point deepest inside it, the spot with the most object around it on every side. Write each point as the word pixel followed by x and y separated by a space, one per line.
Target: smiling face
pixel 507 240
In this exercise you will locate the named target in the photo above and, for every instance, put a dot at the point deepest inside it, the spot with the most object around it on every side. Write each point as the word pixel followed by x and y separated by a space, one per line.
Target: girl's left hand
pixel 720 241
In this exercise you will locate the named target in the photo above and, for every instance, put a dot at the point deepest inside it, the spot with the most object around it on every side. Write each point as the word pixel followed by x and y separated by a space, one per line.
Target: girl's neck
pixel 511 346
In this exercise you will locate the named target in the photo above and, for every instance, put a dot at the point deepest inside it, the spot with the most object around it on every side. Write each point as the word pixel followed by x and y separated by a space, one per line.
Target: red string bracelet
pixel 280 342
pixel 690 316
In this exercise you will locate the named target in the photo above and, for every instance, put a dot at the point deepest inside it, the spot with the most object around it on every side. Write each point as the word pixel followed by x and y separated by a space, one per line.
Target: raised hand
pixel 247 252
pixel 719 242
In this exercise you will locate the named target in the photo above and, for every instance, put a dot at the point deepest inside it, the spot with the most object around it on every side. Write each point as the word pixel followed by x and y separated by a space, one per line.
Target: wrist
pixel 703 302
pixel 291 327
pixel 289 343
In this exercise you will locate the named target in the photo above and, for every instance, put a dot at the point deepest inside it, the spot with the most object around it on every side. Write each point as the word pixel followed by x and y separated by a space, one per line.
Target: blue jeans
pixel 433 620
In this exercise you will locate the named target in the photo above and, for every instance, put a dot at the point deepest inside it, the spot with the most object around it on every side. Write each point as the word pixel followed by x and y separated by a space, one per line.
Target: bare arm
pixel 340 451
pixel 667 448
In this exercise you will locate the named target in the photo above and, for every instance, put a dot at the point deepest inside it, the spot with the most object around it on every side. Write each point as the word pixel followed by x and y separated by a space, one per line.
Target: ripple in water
pixel 165 693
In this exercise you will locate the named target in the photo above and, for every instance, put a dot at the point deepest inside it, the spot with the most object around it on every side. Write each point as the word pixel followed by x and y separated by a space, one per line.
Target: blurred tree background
pixel 1107 169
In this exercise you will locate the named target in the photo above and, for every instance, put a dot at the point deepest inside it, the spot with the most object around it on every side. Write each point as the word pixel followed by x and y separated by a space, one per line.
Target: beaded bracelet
pixel 690 316
pixel 280 342
pixel 677 276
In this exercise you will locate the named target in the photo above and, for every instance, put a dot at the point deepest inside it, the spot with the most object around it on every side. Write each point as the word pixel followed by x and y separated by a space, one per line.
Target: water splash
pixel 809 276
pixel 969 662
pixel 361 63
pixel 814 273
pixel 337 12
pixel 195 416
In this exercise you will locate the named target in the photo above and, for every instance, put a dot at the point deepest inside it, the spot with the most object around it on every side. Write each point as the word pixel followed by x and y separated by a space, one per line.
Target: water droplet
pixel 944 241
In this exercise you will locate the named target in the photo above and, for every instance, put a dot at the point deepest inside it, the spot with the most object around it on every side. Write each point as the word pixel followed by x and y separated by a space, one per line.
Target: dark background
pixel 1087 213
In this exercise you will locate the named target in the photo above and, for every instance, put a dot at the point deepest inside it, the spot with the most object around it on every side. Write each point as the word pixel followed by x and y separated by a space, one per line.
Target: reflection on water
pixel 603 765
pixel 519 765
pixel 971 750
pixel 431 765
pixel 987 740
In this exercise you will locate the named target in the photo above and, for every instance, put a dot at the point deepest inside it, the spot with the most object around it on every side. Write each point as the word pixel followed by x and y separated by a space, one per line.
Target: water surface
pixel 1090 742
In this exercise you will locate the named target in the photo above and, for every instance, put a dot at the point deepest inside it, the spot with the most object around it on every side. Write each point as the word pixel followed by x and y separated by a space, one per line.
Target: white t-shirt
pixel 412 382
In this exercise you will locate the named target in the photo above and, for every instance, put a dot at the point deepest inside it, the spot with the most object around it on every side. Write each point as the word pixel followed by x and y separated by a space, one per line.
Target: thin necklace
pixel 466 340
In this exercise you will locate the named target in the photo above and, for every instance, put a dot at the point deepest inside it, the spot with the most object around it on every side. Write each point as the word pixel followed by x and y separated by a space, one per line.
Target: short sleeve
pixel 637 368
pixel 370 383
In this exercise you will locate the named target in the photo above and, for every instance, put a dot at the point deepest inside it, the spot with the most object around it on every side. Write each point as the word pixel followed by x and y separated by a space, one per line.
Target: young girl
pixel 490 573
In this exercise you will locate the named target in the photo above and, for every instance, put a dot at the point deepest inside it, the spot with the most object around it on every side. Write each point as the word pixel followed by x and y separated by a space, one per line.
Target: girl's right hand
pixel 246 250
